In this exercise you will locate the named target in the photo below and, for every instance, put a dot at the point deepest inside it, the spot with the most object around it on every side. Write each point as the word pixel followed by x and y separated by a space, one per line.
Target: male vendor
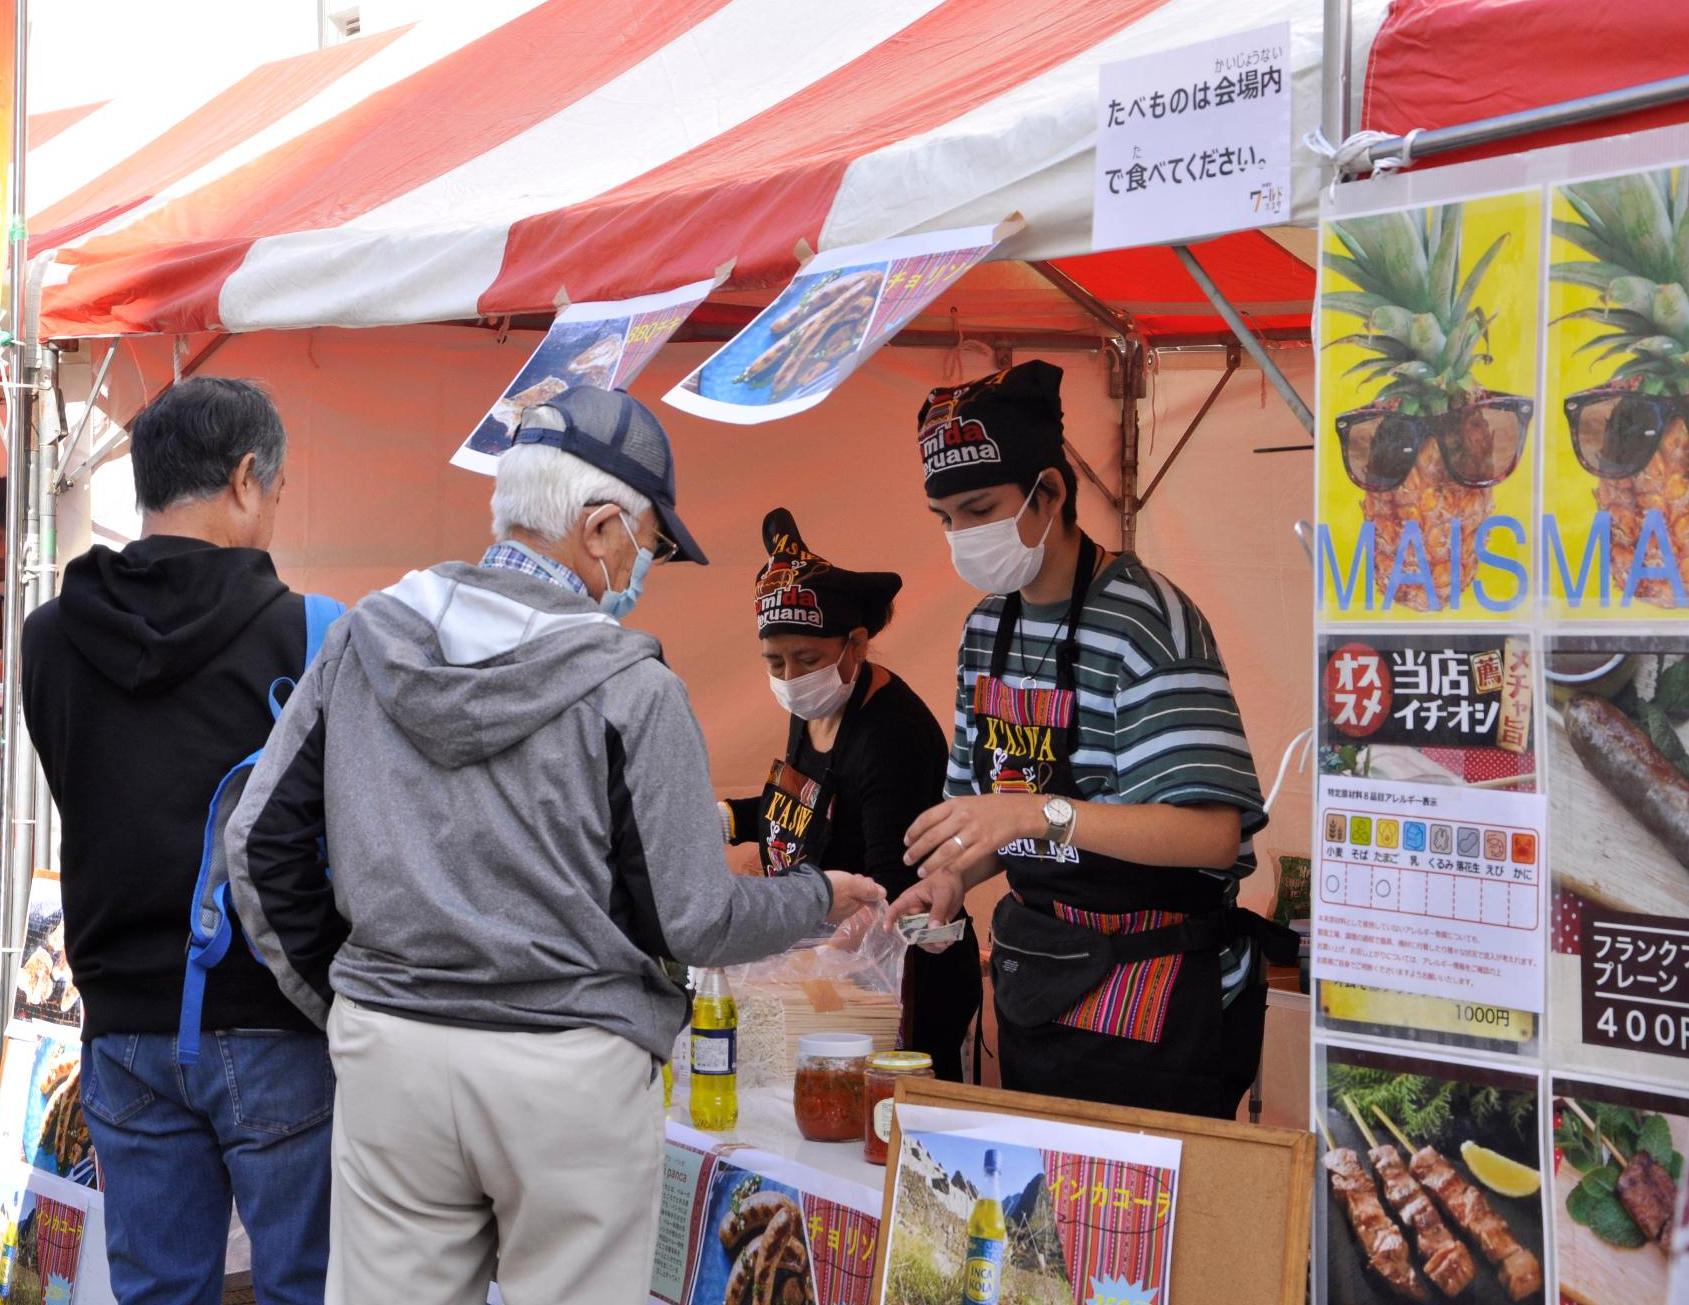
pixel 1100 763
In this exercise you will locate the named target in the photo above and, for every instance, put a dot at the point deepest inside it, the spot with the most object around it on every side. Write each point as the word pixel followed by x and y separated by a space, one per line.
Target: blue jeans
pixel 250 1121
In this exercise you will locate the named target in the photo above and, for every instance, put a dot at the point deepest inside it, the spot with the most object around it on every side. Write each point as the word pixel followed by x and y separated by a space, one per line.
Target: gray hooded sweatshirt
pixel 519 820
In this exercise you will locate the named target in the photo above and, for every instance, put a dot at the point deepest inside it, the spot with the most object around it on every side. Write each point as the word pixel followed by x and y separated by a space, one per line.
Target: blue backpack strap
pixel 210 926
pixel 321 611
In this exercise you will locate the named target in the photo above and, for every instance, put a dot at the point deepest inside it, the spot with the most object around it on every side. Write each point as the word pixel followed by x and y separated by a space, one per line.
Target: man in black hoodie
pixel 143 683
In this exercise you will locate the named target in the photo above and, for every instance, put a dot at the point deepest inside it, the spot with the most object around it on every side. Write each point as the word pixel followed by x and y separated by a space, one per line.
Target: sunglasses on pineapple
pixel 1616 433
pixel 1481 443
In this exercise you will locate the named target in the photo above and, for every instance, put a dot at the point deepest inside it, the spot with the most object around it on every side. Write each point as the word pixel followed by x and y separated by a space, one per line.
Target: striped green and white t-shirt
pixel 1157 719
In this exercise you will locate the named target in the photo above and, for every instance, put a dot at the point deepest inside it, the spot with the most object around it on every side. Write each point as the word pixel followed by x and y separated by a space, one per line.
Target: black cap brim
pixel 672 526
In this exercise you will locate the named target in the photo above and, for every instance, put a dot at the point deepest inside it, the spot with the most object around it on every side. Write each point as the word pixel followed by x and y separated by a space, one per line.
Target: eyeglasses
pixel 1616 433
pixel 1481 443
pixel 663 549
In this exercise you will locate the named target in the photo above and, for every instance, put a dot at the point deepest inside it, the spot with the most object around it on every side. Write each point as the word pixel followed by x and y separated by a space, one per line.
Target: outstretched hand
pixel 963 833
pixel 850 894
pixel 939 895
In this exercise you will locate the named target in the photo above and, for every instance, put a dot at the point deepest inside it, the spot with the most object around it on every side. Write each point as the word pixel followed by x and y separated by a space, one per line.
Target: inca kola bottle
pixel 715 1036
pixel 988 1235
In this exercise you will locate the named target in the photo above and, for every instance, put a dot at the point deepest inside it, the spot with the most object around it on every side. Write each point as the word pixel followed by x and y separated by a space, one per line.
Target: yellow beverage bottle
pixel 715 1055
pixel 988 1237
pixel 668 1085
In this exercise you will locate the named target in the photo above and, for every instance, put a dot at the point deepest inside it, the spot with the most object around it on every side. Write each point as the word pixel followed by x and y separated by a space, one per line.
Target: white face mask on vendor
pixel 993 558
pixel 817 694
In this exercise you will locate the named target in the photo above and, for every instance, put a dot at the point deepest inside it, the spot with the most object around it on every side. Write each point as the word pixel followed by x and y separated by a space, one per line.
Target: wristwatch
pixel 1059 817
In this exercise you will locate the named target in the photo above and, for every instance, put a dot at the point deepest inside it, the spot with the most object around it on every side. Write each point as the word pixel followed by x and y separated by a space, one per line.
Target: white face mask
pixel 993 558
pixel 817 694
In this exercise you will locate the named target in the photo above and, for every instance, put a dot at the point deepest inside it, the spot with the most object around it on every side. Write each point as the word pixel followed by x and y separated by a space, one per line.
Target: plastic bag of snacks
pixel 849 980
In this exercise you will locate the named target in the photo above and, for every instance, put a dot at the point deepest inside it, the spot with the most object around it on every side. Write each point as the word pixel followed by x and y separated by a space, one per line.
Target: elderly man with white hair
pixel 521 827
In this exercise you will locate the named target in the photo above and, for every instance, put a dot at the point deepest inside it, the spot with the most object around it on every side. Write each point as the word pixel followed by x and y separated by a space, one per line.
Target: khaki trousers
pixel 465 1154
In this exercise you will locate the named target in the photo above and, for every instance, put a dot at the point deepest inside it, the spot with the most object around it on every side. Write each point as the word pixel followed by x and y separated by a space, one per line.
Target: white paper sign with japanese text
pixel 1194 141
pixel 1431 889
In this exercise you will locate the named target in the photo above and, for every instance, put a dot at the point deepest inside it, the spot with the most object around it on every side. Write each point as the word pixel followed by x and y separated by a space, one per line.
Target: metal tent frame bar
pixel 1401 151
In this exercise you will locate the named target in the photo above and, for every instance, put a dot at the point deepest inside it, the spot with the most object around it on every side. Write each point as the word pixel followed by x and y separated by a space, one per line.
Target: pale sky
pixel 96 50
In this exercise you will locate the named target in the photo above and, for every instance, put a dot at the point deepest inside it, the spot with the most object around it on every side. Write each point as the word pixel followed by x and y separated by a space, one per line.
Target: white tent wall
pixel 374 415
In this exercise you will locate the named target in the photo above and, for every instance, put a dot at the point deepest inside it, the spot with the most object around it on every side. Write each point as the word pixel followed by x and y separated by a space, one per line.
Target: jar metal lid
pixel 835 1046
pixel 900 1062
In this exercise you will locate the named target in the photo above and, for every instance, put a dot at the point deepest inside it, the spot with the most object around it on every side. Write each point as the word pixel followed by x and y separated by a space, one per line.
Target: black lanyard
pixel 1068 652
pixel 795 729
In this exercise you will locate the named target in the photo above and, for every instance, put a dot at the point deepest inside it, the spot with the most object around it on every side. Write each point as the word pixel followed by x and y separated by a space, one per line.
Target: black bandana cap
pixel 999 430
pixel 798 592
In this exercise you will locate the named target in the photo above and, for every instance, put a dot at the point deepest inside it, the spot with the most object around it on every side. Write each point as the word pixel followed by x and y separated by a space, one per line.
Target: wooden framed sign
pixel 995 1195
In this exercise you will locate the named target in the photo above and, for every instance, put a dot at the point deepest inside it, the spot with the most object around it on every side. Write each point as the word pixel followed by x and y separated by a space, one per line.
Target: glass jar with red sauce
pixel 827 1091
pixel 885 1069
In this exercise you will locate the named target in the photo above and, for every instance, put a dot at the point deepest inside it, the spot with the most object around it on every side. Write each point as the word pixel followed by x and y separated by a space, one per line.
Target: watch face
pixel 1058 811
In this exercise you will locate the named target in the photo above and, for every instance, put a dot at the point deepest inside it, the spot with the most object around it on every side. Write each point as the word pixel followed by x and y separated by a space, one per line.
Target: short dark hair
pixel 185 443
pixel 1069 509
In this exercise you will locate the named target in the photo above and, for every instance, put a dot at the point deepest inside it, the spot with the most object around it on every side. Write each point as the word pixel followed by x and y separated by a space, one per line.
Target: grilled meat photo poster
pixel 739 1226
pixel 600 344
pixel 842 305
pixel 1617 1163
pixel 1502 473
pixel 1432 1179
pixel 1618 763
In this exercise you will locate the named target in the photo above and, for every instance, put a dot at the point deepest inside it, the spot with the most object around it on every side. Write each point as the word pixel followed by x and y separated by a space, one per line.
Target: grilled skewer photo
pixel 1447 1262
pixel 1644 1188
pixel 1385 1247
pixel 1519 1271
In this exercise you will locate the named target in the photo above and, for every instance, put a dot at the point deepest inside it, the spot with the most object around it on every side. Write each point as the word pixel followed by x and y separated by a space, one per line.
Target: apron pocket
pixel 1041 966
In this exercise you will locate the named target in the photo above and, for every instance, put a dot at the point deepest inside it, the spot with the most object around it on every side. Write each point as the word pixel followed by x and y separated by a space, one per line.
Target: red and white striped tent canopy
pixel 522 151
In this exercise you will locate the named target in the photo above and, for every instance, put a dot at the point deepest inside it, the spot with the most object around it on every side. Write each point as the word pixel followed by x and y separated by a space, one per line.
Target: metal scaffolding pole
pixel 1258 351
pixel 48 433
pixel 17 842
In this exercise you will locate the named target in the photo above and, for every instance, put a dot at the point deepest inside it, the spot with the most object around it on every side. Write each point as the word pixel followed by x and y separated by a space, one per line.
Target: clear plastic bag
pixel 849 979
pixel 862 951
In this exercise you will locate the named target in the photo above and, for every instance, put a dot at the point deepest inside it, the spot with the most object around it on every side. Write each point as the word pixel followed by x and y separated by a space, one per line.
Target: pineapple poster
pixel 1429 329
pixel 1616 460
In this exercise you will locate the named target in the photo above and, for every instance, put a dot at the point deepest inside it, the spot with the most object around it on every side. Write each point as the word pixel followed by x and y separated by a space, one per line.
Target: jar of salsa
pixel 827 1092
pixel 885 1068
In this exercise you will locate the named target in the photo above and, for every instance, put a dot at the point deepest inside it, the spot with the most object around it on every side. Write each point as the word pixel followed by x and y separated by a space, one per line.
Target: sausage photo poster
pixel 742 1227
pixel 602 344
pixel 842 306
pixel 1502 501
pixel 45 993
pixel 1618 756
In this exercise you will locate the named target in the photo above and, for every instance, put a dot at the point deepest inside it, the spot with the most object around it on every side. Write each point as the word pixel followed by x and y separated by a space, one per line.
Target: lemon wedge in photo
pixel 1495 1171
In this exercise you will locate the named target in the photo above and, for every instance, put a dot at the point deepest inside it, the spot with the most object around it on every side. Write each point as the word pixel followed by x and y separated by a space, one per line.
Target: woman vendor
pixel 1099 760
pixel 863 758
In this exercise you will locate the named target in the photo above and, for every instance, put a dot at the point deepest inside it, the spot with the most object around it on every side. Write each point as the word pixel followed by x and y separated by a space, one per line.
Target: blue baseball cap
pixel 615 432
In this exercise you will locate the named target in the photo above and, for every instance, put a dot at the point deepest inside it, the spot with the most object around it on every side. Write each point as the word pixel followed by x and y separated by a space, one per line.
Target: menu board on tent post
pixel 1502 485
